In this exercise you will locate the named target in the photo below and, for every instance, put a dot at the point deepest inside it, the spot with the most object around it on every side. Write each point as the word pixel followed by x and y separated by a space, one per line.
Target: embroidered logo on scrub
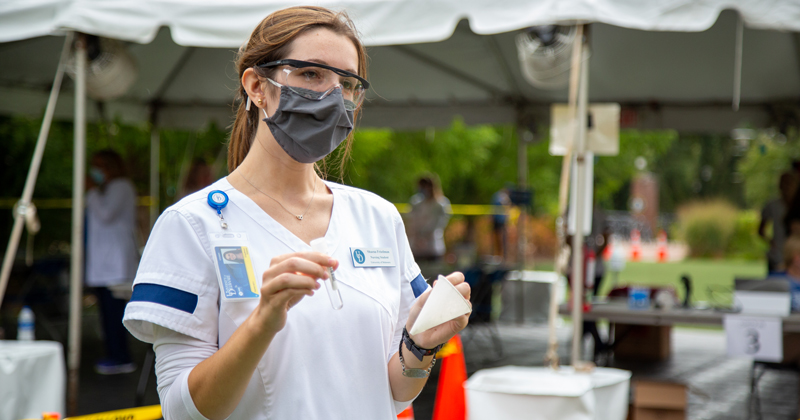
pixel 372 257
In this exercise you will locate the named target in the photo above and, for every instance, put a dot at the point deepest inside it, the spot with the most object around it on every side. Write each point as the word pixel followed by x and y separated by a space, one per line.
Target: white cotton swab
pixel 332 285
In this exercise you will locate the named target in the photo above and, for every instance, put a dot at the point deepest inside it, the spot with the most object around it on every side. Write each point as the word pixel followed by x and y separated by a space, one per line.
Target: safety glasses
pixel 316 81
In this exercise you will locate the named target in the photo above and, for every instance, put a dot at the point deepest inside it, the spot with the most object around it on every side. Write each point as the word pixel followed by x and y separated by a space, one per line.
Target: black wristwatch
pixel 416 350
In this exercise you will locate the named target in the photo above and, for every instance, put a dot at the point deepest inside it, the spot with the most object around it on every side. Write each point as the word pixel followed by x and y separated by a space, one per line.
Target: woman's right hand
pixel 289 278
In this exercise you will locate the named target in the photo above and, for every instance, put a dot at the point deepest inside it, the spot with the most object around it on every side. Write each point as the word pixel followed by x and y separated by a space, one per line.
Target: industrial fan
pixel 111 69
pixel 544 55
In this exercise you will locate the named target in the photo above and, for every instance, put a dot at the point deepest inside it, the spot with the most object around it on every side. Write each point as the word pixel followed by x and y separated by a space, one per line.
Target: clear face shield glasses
pixel 316 81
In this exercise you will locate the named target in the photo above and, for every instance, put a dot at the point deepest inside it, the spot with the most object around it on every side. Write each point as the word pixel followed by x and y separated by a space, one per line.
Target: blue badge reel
pixel 218 200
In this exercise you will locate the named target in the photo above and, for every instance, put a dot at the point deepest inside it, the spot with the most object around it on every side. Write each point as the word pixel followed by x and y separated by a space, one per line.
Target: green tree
pixel 613 174
pixel 767 156
pixel 389 162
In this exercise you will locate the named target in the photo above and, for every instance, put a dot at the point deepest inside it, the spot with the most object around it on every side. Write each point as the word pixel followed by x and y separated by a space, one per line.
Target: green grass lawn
pixel 712 280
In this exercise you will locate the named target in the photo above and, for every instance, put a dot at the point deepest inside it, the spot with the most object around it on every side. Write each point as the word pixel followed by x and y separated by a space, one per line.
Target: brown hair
pixel 431 180
pixel 791 249
pixel 271 40
pixel 112 163
pixel 788 185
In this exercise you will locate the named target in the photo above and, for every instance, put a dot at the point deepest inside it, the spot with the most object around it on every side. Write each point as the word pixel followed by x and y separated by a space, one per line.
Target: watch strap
pixel 416 350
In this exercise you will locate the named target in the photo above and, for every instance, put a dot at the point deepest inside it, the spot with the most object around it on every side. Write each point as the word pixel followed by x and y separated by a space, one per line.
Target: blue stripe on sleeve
pixel 165 295
pixel 419 286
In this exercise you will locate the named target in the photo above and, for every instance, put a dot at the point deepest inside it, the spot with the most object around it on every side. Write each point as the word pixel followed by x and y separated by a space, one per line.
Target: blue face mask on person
pixel 97 175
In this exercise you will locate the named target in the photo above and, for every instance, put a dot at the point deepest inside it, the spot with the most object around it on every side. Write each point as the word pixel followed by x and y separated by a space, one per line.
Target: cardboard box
pixel 791 349
pixel 642 342
pixel 657 414
pixel 654 394
pixel 653 400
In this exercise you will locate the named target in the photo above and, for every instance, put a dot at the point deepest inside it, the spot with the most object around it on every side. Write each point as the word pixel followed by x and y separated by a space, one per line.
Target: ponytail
pixel 243 132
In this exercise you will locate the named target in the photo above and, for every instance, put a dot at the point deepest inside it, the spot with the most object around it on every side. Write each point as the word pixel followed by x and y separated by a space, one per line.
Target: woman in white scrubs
pixel 259 339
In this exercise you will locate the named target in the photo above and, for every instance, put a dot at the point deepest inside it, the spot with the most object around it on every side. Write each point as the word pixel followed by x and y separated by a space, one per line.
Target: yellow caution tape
pixel 151 412
pixel 60 203
pixel 146 201
pixel 462 209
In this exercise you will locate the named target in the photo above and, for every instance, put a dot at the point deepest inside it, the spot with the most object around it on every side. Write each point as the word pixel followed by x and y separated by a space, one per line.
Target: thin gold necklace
pixel 297 216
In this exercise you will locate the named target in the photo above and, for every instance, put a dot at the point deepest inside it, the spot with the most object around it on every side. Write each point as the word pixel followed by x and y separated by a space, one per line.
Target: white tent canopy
pixel 217 24
pixel 431 60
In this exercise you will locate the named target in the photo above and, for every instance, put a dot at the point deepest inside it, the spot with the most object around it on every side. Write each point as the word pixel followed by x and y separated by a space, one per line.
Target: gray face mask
pixel 308 129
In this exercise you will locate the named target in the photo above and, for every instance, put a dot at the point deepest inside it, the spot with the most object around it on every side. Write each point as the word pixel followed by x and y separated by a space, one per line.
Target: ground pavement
pixel 719 386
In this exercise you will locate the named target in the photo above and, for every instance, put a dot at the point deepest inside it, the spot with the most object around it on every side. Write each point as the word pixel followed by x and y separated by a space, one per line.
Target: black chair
pixel 482 280
pixel 144 377
pixel 756 372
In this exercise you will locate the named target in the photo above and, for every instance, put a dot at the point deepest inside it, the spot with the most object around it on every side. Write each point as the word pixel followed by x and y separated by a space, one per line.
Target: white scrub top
pixel 111 254
pixel 324 363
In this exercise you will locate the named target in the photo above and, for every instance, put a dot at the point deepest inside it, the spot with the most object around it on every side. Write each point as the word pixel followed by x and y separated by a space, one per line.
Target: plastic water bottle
pixel 639 298
pixel 25 325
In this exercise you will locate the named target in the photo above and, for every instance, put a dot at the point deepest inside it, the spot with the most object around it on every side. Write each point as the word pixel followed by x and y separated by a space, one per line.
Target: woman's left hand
pixel 443 332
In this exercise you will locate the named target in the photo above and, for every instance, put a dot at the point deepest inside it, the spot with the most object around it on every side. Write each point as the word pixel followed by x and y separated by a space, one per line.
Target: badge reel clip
pixel 218 200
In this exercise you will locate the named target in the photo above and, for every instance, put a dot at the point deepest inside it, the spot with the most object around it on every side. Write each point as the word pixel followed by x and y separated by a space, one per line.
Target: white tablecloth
pixel 532 393
pixel 32 379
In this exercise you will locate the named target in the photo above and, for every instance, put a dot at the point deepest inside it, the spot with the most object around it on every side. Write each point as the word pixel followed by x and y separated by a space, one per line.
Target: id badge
pixel 372 257
pixel 234 267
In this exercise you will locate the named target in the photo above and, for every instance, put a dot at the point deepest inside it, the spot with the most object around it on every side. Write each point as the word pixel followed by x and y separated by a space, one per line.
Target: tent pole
pixel 155 148
pixel 76 263
pixel 574 79
pixel 737 66
pixel 580 212
pixel 522 181
pixel 33 171
pixel 551 358
pixel 522 171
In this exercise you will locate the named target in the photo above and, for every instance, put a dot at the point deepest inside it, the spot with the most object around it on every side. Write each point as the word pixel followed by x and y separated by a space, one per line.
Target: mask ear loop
pixel 265 113
pixel 247 107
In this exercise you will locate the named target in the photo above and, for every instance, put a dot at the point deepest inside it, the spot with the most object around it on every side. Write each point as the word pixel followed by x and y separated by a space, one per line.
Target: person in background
pixel 792 220
pixel 773 214
pixel 111 253
pixel 791 253
pixel 199 177
pixel 791 262
pixel 596 242
pixel 500 199
pixel 430 212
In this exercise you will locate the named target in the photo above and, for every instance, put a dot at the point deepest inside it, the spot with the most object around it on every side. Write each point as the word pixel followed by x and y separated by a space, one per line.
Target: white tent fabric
pixel 226 24
pixel 184 51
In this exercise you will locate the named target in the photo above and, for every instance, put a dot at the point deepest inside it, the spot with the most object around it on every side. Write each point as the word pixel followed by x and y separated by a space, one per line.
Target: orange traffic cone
pixel 451 401
pixel 662 246
pixel 636 245
pixel 407 414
